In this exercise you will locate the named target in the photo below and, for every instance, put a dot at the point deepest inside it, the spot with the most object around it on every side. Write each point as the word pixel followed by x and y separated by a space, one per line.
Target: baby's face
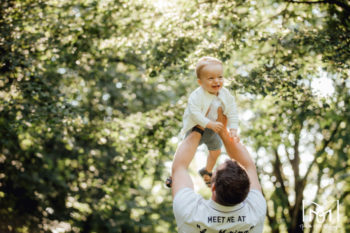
pixel 211 78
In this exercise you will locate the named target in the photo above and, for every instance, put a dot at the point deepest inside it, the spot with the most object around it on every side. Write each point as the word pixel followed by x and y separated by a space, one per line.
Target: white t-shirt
pixel 195 214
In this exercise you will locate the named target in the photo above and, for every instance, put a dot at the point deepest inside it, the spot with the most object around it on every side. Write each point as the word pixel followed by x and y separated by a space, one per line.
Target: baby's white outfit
pixel 198 105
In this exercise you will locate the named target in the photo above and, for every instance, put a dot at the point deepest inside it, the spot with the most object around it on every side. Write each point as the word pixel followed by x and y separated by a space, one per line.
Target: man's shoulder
pixel 256 194
pixel 187 198
pixel 256 201
pixel 185 193
pixel 184 203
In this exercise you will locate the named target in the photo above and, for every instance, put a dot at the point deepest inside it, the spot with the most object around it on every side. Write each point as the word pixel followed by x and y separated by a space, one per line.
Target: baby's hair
pixel 203 61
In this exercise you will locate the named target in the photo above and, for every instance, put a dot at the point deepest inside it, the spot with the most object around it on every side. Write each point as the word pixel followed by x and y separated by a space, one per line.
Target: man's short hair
pixel 204 61
pixel 232 184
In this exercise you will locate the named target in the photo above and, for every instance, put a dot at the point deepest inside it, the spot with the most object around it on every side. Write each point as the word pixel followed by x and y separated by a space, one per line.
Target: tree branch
pixel 335 2
pixel 325 144
pixel 282 12
pixel 279 175
pixel 316 200
pixel 296 160
pixel 299 185
pixel 308 2
pixel 270 217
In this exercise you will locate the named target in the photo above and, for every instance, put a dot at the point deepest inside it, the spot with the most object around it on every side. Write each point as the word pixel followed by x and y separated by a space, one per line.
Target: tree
pixel 92 94
pixel 73 84
pixel 298 122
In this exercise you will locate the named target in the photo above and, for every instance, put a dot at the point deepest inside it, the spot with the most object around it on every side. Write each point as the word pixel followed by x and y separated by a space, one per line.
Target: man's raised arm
pixel 239 153
pixel 183 157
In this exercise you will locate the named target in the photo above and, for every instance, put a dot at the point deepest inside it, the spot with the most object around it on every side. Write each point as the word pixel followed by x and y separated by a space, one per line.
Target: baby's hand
pixel 233 134
pixel 215 126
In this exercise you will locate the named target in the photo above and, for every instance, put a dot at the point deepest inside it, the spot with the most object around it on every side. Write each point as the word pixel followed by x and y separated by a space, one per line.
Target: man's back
pixel 232 181
pixel 195 214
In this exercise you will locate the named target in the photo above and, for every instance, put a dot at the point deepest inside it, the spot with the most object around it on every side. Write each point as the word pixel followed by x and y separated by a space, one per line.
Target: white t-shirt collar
pixel 225 209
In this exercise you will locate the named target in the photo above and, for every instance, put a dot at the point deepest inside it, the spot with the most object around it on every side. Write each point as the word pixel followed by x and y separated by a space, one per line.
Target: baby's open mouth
pixel 216 86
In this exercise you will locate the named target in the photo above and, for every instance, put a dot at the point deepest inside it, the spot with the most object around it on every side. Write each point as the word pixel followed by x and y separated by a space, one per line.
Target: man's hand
pixel 238 152
pixel 233 134
pixel 222 119
pixel 183 157
pixel 215 126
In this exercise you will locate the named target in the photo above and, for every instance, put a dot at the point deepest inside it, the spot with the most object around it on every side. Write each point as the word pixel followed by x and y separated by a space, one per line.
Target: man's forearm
pixel 236 150
pixel 186 151
pixel 183 157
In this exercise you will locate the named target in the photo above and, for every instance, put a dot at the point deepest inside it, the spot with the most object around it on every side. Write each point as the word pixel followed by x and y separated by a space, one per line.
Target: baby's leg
pixel 213 142
pixel 211 160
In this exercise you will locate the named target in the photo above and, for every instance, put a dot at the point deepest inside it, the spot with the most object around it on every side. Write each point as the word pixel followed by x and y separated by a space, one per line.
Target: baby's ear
pixel 199 81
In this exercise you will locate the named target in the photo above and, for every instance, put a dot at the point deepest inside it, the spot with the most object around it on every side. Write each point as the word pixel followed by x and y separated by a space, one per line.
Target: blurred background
pixel 92 95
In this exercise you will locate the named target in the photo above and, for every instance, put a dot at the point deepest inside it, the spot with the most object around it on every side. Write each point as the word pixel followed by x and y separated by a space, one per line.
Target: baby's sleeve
pixel 195 111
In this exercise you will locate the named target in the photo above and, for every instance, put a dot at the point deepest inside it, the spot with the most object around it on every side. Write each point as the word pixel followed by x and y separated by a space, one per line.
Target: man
pixel 237 204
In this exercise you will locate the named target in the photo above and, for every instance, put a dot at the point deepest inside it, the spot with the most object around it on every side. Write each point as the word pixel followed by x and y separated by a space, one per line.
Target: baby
pixel 202 110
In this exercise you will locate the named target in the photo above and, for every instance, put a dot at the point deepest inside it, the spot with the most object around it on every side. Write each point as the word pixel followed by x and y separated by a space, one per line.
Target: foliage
pixel 92 94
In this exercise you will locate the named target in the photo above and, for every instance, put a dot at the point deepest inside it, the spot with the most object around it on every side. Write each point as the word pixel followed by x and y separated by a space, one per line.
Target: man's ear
pixel 213 187
pixel 213 191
